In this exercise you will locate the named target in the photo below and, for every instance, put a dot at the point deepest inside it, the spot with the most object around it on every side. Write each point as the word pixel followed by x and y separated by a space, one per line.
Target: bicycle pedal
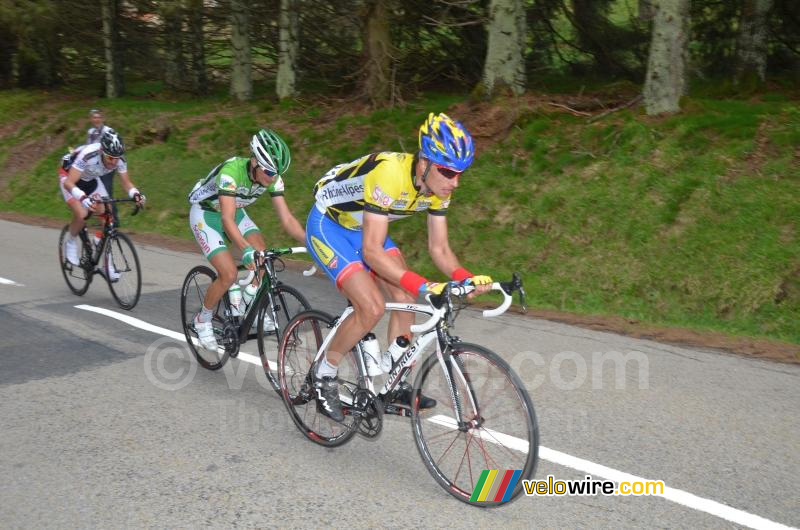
pixel 397 410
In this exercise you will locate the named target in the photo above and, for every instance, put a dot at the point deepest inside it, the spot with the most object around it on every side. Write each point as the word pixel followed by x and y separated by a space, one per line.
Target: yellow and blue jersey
pixel 382 183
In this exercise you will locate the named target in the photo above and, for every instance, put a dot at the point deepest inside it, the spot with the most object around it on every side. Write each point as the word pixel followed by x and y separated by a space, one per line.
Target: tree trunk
pixel 172 14
pixel 378 45
pixel 751 43
pixel 505 54
pixel 288 44
pixel 667 66
pixel 114 85
pixel 241 72
pixel 197 74
pixel 646 10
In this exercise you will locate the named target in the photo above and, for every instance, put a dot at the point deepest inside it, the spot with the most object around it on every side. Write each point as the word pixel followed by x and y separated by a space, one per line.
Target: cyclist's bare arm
pixel 227 207
pixel 126 181
pixel 375 229
pixel 441 253
pixel 288 221
pixel 439 245
pixel 73 177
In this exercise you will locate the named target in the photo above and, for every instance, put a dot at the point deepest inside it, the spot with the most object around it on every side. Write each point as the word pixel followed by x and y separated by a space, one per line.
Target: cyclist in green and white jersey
pixel 218 217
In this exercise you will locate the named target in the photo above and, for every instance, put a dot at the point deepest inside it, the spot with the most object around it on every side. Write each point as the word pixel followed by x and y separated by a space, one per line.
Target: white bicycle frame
pixel 426 333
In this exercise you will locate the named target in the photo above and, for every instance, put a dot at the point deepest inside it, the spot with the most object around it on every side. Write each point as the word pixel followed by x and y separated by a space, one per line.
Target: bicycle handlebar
pixel 437 301
pixel 272 254
pixel 106 200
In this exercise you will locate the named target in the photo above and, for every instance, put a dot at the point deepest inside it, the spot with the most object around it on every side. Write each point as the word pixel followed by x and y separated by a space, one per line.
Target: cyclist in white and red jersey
pixel 79 181
pixel 347 234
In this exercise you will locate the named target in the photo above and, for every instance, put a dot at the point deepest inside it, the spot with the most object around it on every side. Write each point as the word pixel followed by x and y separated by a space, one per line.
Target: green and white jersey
pixel 231 178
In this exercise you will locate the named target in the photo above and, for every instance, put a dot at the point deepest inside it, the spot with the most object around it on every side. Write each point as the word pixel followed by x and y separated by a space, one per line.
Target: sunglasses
pixel 448 173
pixel 269 172
pixel 109 157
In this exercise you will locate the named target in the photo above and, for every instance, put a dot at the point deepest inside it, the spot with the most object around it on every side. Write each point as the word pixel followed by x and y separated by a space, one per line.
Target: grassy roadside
pixel 687 221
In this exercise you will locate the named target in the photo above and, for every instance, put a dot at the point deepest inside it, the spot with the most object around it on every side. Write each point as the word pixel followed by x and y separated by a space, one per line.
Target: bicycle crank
pixel 368 411
pixel 230 339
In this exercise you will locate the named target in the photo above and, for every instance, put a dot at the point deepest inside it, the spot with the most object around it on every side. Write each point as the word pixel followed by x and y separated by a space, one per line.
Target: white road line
pixel 6 281
pixel 141 324
pixel 675 495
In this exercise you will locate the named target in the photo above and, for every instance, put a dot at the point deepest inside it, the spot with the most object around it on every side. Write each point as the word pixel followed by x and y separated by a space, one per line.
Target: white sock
pixel 205 315
pixel 326 369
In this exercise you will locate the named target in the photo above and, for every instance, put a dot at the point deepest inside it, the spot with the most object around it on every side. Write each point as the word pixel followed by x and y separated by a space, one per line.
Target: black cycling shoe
pixel 403 397
pixel 326 390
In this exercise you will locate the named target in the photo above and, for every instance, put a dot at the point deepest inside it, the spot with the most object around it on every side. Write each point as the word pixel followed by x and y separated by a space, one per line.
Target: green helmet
pixel 271 152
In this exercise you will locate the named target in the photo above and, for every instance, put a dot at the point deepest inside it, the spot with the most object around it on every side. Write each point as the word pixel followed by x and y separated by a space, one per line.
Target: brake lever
pixel 522 301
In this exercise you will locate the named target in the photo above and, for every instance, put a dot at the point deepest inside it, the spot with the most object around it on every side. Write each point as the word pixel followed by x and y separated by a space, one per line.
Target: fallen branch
pixel 630 103
pixel 570 109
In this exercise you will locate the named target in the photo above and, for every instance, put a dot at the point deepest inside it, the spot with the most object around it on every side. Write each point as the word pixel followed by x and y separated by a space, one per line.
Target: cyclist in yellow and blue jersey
pixel 347 234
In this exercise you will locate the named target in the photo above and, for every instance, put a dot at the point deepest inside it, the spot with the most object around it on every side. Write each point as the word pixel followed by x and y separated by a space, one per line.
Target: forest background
pixel 636 159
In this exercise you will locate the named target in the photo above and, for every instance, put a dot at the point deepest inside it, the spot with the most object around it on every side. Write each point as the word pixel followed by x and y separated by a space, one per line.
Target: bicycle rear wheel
pixel 78 277
pixel 193 293
pixel 281 307
pixel 300 343
pixel 499 431
pixel 121 269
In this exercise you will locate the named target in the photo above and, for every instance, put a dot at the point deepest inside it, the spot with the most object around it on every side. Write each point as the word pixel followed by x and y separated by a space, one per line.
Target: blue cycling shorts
pixel 336 249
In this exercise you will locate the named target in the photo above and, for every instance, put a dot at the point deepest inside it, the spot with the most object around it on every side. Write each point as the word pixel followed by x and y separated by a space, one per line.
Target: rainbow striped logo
pixel 494 485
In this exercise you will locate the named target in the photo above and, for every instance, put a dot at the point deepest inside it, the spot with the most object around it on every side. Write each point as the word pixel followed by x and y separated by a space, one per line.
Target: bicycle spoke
pixel 301 341
pixel 485 383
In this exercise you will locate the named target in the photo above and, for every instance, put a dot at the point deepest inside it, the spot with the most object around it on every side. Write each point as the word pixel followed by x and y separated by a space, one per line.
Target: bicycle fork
pixel 454 372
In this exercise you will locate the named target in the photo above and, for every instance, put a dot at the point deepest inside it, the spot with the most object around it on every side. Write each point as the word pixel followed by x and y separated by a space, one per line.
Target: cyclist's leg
pixel 337 251
pixel 252 235
pixel 100 192
pixel 77 209
pixel 249 230
pixel 108 181
pixel 368 306
pixel 207 229
pixel 399 321
pixel 225 266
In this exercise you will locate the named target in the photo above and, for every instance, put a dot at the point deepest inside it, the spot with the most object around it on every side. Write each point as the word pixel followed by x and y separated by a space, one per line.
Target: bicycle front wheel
pixel 300 343
pixel 498 431
pixel 193 293
pixel 274 314
pixel 78 277
pixel 121 268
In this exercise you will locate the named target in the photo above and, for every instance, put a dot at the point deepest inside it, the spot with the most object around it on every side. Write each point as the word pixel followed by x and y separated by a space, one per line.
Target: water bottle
pixel 372 354
pixel 248 294
pixel 395 351
pixel 235 297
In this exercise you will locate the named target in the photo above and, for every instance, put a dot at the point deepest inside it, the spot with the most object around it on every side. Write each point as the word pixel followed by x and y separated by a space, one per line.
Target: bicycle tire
pixel 78 277
pixel 301 341
pixel 289 302
pixel 127 288
pixel 512 440
pixel 193 292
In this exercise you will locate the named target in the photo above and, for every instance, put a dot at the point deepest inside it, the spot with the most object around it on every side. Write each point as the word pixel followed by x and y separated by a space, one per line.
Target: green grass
pixel 690 220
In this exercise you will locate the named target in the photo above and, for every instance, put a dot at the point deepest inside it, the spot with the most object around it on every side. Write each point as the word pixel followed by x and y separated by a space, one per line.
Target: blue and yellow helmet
pixel 446 142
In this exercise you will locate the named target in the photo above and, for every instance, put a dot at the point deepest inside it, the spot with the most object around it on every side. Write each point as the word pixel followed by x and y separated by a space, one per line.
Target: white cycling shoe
pixel 269 324
pixel 205 333
pixel 71 250
pixel 111 270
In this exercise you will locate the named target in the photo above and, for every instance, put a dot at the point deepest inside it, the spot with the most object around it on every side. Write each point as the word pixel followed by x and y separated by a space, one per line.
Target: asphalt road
pixel 108 424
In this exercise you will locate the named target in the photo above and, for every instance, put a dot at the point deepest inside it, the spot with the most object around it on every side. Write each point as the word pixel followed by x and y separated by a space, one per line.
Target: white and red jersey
pixel 89 161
